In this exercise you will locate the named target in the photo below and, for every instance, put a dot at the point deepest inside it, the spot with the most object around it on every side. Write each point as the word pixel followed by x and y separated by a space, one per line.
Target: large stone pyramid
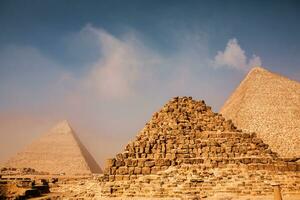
pixel 57 152
pixel 268 104
pixel 186 150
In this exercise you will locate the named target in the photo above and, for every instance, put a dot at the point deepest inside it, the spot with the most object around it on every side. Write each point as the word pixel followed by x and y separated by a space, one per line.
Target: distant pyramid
pixel 58 151
pixel 268 104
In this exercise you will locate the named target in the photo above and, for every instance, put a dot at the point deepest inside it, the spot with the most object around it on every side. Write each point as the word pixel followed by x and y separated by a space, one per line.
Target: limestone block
pixel 111 178
pixel 168 156
pixel 137 170
pixel 141 149
pixel 155 169
pixel 141 162
pixel 118 177
pixel 150 156
pixel 110 162
pixel 113 170
pixel 119 163
pixel 119 156
pixel 147 149
pixel 149 163
pixel 143 155
pixel 146 170
pixel 130 170
pixel 126 178
pixel 122 170
pixel 292 166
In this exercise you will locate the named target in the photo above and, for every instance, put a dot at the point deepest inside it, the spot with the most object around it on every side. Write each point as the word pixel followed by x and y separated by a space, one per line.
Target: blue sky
pixel 106 66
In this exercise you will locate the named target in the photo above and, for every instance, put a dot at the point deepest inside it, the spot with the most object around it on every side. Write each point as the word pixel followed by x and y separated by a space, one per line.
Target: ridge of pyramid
pixel 258 69
pixel 62 127
pixel 257 73
pixel 267 74
pixel 253 103
pixel 186 131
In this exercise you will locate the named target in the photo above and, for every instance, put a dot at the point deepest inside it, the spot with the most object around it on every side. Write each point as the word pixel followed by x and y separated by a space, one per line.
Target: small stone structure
pixel 188 151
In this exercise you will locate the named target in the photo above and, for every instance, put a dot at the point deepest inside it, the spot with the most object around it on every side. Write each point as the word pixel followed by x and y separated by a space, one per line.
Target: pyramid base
pixel 191 182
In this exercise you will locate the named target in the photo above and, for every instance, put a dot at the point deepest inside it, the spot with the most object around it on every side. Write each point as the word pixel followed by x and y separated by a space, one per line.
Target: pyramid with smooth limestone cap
pixel 57 152
pixel 269 104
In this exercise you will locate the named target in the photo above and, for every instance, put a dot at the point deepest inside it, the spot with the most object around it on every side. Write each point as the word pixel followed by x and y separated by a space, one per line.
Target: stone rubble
pixel 188 151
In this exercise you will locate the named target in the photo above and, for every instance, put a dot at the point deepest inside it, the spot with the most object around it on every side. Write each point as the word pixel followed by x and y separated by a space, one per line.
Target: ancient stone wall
pixel 190 182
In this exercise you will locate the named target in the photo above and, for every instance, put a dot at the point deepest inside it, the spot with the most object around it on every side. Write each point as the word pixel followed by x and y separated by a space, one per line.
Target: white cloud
pixel 234 57
pixel 123 62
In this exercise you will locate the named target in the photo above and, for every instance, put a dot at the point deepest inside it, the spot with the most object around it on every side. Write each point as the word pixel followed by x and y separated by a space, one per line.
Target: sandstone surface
pixel 268 104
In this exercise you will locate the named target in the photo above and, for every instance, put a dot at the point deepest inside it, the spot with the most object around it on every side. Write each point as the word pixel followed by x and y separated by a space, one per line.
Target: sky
pixel 107 66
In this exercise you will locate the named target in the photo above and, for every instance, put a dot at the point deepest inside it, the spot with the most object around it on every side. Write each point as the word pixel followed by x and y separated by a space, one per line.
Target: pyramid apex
pixel 258 69
pixel 63 126
pixel 65 122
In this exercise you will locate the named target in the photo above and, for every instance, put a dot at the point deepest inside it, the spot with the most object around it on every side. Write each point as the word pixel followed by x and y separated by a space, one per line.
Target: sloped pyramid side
pixel 188 152
pixel 186 131
pixel 58 151
pixel 268 104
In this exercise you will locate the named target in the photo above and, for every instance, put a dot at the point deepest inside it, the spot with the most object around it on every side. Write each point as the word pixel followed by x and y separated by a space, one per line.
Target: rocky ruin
pixel 188 151
pixel 20 187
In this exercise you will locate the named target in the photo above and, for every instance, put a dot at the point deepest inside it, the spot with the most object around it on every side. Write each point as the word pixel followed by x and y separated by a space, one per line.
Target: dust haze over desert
pixel 89 78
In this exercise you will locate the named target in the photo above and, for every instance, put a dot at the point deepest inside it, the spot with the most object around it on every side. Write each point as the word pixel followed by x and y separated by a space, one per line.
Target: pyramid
pixel 187 131
pixel 268 104
pixel 57 152
pixel 187 149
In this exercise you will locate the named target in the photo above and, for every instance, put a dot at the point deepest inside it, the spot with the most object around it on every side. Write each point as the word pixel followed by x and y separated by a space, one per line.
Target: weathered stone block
pixel 119 156
pixel 155 169
pixel 126 178
pixel 110 162
pixel 119 163
pixel 130 170
pixel 113 170
pixel 122 170
pixel 147 149
pixel 149 163
pixel 137 170
pixel 292 166
pixel 118 177
pixel 169 156
pixel 141 162
pixel 146 170
pixel 150 156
